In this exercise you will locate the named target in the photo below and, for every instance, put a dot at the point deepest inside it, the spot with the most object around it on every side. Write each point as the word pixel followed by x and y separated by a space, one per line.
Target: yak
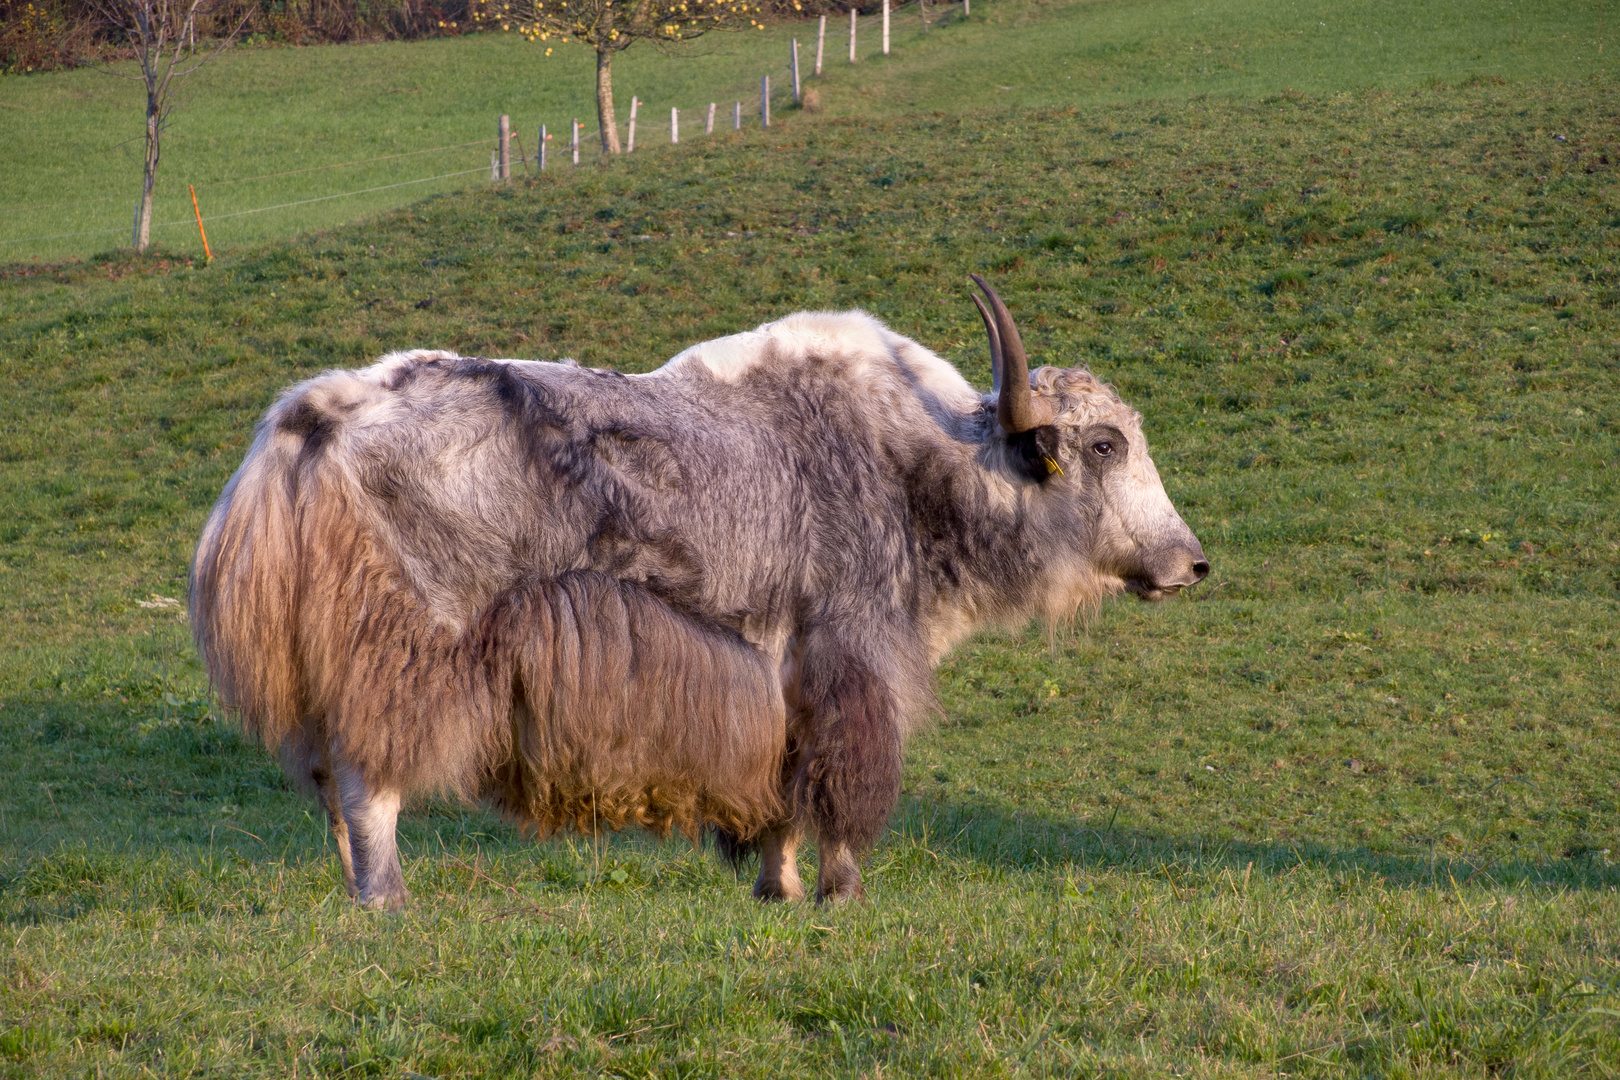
pixel 710 596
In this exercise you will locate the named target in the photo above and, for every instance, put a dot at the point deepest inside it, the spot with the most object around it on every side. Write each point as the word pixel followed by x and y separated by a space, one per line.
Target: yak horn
pixel 1015 404
pixel 995 344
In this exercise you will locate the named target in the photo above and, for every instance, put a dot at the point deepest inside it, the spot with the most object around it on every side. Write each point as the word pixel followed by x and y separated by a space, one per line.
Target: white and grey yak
pixel 711 595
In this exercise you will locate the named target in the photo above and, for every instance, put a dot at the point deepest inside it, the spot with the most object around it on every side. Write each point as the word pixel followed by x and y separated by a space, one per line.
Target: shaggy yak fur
pixel 712 595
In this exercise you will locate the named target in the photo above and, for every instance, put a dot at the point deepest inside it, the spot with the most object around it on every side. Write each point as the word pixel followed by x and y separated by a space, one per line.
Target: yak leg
pixel 326 786
pixel 306 758
pixel 779 865
pixel 849 781
pixel 840 876
pixel 372 816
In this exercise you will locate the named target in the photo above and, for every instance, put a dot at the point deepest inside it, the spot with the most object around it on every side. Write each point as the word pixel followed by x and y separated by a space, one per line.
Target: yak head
pixel 1073 436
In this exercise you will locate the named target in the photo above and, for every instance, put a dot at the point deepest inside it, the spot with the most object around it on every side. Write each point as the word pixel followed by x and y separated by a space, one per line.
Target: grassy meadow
pixel 265 127
pixel 1348 809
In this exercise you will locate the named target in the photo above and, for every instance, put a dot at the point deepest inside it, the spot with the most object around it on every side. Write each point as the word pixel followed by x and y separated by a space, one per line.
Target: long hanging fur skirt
pixel 572 700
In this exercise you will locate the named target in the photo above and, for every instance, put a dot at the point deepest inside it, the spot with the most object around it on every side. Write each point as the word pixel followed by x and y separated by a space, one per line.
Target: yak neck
pixel 984 539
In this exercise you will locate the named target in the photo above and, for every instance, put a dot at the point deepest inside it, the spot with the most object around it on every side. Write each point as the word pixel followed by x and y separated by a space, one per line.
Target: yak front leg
pixel 850 780
pixel 779 864
pixel 840 875
pixel 372 816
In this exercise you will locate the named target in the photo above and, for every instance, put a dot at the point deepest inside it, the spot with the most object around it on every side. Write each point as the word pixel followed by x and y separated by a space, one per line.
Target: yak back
pixel 751 493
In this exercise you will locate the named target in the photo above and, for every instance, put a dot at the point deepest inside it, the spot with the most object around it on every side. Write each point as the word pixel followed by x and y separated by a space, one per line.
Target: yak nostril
pixel 1200 570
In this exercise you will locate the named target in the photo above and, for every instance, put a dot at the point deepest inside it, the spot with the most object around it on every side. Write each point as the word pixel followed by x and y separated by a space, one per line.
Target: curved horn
pixel 995 344
pixel 1015 405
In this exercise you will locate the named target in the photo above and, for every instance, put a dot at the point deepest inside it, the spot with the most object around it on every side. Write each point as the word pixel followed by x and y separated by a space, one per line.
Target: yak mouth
pixel 1146 584
pixel 1150 591
pixel 1146 589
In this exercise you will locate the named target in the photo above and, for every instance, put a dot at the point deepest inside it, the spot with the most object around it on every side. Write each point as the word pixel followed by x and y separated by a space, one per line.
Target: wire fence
pixel 833 40
pixel 776 92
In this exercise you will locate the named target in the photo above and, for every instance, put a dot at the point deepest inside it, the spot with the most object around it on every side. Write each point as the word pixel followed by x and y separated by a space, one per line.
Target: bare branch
pixel 160 32
pixel 224 43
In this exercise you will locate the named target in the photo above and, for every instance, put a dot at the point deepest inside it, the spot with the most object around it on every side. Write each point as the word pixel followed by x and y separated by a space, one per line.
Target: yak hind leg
pixel 307 761
pixel 779 864
pixel 372 817
pixel 327 788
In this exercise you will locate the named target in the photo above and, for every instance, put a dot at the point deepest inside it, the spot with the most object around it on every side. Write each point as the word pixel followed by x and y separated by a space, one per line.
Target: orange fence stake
pixel 200 230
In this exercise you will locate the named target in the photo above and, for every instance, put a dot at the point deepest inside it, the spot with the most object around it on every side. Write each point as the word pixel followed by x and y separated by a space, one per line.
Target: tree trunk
pixel 604 102
pixel 154 130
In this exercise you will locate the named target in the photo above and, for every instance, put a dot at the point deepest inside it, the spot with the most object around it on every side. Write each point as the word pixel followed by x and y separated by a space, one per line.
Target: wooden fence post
pixel 630 148
pixel 736 116
pixel 674 125
pixel 708 128
pixel 540 155
pixel 821 42
pixel 504 130
pixel 576 141
pixel 852 35
pixel 798 99
pixel 967 8
pixel 765 100
pixel 922 10
pixel 885 27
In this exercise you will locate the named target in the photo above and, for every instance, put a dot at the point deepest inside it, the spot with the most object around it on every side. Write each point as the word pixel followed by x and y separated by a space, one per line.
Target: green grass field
pixel 262 127
pixel 1349 809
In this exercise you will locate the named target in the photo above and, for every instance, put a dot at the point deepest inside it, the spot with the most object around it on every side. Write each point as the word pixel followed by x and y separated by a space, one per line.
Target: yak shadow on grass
pixel 159 807
pixel 164 809
pixel 1002 841
pixel 281 856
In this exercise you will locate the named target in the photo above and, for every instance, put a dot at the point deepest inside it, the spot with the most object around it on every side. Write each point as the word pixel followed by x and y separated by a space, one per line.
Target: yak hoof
pixel 771 892
pixel 388 901
pixel 840 876
pixel 840 893
pixel 840 883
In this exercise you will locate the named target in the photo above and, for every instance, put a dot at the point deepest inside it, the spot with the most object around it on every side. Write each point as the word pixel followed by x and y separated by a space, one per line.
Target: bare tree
pixel 163 34
pixel 611 26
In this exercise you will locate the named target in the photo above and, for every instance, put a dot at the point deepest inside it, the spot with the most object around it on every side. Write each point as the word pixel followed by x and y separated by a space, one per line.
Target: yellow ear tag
pixel 1052 466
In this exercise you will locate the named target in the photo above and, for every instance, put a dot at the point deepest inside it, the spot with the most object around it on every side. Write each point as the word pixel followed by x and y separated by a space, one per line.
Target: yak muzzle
pixel 1169 572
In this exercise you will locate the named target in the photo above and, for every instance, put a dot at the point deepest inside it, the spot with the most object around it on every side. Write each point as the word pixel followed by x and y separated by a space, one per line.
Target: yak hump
pixel 868 350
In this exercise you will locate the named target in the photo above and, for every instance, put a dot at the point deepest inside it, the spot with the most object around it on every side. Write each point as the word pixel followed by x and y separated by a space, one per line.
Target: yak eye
pixel 1102 449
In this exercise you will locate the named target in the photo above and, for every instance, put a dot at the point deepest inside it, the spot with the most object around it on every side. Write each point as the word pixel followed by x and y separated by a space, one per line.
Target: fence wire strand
pixel 751 111
pixel 343 164
pixel 256 210
pixel 269 176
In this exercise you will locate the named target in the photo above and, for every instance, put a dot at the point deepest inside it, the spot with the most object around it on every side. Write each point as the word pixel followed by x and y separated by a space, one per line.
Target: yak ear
pixel 1036 452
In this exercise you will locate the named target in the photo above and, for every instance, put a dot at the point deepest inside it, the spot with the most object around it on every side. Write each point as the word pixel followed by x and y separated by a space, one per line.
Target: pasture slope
pixel 271 127
pixel 1349 809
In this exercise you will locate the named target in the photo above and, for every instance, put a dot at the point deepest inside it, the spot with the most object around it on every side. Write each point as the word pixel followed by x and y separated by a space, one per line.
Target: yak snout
pixel 1169 568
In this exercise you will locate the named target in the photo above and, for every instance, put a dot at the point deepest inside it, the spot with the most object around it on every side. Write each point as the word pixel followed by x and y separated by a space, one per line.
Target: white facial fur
pixel 1141 544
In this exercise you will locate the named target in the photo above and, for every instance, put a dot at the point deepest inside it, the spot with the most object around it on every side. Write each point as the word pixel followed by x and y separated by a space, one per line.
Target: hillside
pixel 1346 809
pixel 280 142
